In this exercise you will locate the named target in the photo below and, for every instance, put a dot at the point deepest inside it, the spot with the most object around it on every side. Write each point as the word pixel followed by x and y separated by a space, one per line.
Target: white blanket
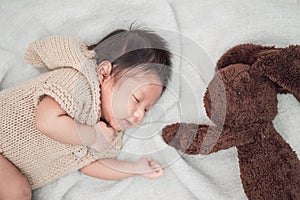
pixel 198 32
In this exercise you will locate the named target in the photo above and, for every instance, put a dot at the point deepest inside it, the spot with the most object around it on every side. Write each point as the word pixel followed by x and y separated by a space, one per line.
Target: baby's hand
pixel 148 168
pixel 107 131
pixel 104 136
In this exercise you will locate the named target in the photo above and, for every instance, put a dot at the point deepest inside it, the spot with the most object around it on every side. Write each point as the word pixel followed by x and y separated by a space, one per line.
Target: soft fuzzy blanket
pixel 198 32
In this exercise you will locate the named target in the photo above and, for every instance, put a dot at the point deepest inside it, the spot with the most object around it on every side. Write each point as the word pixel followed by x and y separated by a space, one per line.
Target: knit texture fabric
pixel 72 81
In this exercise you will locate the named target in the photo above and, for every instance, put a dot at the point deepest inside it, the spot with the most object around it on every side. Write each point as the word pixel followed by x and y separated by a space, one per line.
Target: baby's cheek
pixel 121 106
pixel 131 108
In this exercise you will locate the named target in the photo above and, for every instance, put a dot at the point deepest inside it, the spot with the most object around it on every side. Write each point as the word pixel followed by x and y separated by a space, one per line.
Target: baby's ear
pixel 283 68
pixel 104 70
pixel 244 54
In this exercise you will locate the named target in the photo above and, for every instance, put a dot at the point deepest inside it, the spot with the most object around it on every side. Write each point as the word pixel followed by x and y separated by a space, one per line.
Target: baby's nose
pixel 138 116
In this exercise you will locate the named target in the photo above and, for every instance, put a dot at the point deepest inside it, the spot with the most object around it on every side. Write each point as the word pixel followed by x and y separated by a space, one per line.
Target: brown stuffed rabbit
pixel 241 101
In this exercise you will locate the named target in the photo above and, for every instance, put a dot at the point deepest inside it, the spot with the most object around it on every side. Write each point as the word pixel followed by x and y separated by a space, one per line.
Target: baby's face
pixel 124 104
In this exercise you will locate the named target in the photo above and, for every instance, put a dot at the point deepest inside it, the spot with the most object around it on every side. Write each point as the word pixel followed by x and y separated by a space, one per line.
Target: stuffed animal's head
pixel 239 95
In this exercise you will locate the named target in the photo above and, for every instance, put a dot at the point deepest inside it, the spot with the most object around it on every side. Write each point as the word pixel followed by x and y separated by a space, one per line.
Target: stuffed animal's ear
pixel 244 54
pixel 283 68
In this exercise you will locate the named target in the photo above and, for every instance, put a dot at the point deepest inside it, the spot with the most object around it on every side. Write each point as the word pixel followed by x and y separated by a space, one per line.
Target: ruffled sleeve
pixel 58 51
pixel 73 81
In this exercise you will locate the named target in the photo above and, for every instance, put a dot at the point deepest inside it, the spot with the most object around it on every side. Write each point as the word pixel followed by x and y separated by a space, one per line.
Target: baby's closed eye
pixel 136 99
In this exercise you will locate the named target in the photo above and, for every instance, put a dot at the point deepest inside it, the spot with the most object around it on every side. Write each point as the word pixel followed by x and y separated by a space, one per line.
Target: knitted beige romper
pixel 72 81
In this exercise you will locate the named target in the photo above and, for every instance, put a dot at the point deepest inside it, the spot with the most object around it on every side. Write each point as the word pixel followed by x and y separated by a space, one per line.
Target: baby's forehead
pixel 140 78
pixel 140 86
pixel 140 82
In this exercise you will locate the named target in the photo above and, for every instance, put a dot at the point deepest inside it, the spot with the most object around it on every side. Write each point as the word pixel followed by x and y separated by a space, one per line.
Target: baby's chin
pixel 109 124
pixel 122 124
pixel 116 126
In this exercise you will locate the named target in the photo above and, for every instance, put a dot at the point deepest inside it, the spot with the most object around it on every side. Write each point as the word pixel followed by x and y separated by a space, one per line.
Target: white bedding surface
pixel 199 32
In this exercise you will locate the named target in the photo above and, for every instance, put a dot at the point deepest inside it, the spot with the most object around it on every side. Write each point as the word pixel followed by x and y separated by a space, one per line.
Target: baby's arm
pixel 54 122
pixel 112 169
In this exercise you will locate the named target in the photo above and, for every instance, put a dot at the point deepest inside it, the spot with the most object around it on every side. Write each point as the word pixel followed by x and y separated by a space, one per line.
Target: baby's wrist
pixel 86 134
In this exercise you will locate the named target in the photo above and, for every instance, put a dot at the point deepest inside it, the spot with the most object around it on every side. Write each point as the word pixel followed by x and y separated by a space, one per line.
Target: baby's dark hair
pixel 135 51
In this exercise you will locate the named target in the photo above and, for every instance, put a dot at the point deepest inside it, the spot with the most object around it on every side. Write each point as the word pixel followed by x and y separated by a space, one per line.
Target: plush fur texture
pixel 241 101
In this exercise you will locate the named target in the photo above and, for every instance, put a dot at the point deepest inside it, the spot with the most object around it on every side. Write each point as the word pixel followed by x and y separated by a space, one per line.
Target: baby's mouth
pixel 127 123
pixel 121 124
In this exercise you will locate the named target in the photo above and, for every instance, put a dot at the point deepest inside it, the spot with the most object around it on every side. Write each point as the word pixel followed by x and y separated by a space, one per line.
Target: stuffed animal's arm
pixel 202 139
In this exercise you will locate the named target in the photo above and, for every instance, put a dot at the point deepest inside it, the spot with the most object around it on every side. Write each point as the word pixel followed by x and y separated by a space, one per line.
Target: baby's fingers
pixel 158 172
pixel 155 166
